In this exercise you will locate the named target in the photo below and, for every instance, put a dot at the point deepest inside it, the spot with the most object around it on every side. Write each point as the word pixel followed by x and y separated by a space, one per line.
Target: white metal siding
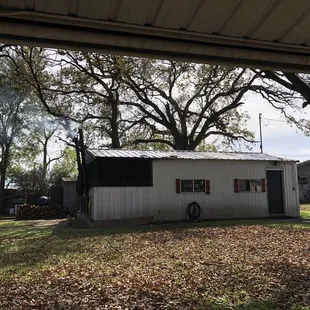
pixel 162 202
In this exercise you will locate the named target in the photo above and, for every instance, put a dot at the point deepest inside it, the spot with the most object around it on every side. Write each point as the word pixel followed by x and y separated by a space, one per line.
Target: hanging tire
pixel 193 212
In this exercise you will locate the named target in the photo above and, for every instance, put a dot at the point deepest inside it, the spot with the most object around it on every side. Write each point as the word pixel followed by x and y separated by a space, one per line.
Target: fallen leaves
pixel 238 267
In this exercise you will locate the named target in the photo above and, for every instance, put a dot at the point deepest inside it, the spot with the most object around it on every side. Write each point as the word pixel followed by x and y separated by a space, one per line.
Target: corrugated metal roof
pixel 273 20
pixel 303 163
pixel 183 155
pixel 245 26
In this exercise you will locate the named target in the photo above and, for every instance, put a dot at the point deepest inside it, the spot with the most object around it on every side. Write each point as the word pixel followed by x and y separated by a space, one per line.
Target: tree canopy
pixel 141 103
pixel 128 102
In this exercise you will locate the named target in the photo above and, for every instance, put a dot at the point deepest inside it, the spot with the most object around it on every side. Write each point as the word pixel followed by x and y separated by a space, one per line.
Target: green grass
pixel 239 264
pixel 305 211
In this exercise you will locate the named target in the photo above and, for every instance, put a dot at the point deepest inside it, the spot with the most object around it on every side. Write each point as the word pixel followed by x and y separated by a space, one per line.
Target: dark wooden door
pixel 275 192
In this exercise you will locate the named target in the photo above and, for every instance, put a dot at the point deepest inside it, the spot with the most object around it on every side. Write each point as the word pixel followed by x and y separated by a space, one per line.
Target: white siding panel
pixel 250 204
pixel 290 188
pixel 122 202
pixel 92 202
pixel 163 203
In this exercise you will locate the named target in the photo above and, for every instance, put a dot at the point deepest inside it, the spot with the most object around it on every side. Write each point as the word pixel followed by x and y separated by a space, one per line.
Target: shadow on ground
pixel 62 229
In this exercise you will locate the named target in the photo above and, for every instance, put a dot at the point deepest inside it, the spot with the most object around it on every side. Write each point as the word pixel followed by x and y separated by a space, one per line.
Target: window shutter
pixel 178 186
pixel 236 185
pixel 207 187
pixel 263 185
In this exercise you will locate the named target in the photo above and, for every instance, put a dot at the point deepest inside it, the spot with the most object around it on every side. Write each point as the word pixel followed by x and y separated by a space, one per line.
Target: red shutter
pixel 178 186
pixel 263 185
pixel 207 187
pixel 236 185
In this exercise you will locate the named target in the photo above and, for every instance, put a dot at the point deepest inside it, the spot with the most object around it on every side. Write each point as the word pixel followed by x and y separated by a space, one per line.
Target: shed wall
pixel 163 203
pixel 303 172
pixel 70 197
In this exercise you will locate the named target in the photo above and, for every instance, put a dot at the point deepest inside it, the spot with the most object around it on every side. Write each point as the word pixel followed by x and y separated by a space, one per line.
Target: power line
pixel 274 120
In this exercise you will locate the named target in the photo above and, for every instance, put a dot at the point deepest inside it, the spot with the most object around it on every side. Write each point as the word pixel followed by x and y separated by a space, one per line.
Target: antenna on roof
pixel 260 133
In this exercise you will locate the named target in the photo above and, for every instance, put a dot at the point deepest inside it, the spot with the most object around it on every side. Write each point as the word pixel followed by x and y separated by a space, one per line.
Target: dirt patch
pixel 46 223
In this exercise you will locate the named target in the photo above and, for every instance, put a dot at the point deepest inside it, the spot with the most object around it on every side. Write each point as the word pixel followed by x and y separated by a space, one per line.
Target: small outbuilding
pixel 156 185
pixel 69 196
pixel 303 172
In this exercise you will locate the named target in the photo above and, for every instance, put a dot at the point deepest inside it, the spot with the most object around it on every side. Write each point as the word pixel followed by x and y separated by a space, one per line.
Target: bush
pixel 28 212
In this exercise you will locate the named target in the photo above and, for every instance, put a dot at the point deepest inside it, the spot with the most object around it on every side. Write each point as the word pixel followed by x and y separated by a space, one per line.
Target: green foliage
pixel 65 167
pixel 204 147
pixel 25 179
pixel 13 108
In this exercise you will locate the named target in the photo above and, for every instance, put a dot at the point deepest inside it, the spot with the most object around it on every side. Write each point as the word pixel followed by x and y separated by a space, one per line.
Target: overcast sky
pixel 278 137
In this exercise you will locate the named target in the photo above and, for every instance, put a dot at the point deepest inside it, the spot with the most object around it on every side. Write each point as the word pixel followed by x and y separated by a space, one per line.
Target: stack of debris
pixel 29 212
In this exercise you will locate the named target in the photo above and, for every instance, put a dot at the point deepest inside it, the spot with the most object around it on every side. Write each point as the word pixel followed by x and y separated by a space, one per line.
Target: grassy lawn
pixel 305 211
pixel 257 264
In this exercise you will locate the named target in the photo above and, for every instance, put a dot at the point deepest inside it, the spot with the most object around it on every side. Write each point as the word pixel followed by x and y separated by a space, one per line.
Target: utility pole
pixel 260 133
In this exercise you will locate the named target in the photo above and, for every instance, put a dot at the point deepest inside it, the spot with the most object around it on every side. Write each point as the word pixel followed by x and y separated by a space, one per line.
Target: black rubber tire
pixel 193 212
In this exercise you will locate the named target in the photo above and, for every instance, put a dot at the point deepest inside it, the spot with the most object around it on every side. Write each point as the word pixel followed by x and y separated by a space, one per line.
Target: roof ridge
pixel 177 151
pixel 176 154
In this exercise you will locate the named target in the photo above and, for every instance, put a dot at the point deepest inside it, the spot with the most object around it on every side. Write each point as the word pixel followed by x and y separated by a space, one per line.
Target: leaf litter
pixel 236 267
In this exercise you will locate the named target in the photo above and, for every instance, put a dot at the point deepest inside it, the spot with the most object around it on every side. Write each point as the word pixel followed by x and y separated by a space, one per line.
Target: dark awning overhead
pixel 261 33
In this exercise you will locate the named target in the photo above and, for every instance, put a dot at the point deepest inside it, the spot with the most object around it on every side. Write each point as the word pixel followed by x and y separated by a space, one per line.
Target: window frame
pixel 193 186
pixel 125 175
pixel 181 189
pixel 204 186
pixel 250 186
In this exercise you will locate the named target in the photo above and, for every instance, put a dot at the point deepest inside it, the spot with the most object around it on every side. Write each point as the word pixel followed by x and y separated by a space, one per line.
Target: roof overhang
pixel 269 34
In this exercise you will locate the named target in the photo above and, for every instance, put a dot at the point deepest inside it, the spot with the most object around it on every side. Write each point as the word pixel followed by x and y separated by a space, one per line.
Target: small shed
pixel 131 184
pixel 303 172
pixel 69 194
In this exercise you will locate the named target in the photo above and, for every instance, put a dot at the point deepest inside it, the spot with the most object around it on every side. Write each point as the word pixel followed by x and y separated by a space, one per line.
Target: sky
pixel 279 138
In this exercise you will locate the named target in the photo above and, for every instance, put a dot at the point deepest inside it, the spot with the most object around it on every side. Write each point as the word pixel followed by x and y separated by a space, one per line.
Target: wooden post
pixel 84 174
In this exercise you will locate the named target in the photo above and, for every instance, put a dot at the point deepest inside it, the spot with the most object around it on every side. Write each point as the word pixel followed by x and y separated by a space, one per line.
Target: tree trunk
pixel 43 185
pixel 181 143
pixel 2 186
pixel 3 168
pixel 114 125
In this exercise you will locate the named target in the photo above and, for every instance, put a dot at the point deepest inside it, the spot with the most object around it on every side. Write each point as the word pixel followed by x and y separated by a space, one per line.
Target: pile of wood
pixel 29 212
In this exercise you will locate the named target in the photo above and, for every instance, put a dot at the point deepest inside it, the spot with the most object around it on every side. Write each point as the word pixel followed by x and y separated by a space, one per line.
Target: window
pixel 186 186
pixel 256 185
pixel 199 185
pixel 244 185
pixel 190 186
pixel 122 172
pixel 249 185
